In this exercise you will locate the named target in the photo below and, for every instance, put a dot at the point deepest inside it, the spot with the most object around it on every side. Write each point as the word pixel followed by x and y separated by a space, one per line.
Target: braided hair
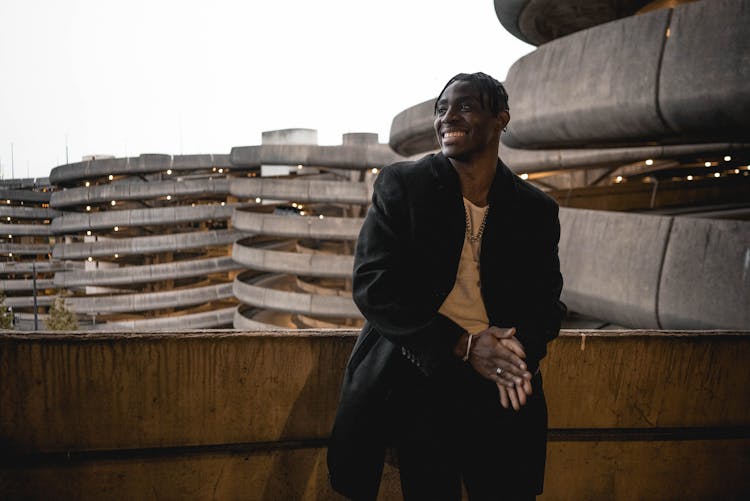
pixel 491 92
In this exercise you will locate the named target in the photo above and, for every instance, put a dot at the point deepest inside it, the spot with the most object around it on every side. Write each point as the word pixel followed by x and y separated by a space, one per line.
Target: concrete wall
pixel 597 87
pixel 656 271
pixel 300 190
pixel 229 415
pixel 329 228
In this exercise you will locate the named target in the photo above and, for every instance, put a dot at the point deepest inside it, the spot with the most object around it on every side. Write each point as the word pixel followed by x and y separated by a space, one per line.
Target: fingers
pixel 502 333
pixel 513 397
pixel 521 393
pixel 513 345
pixel 503 395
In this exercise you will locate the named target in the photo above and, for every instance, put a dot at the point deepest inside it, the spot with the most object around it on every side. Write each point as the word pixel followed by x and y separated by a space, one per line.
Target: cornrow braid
pixel 491 92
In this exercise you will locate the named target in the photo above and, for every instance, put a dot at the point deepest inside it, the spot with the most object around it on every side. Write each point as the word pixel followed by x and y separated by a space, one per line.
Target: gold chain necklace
pixel 470 223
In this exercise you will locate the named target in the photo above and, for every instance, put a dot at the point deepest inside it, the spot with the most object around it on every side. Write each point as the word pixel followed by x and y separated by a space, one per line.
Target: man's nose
pixel 449 115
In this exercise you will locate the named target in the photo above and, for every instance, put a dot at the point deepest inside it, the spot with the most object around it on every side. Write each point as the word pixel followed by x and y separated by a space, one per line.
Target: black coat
pixel 405 265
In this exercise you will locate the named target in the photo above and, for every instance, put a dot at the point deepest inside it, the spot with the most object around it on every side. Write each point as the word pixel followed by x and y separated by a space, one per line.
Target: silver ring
pixel 499 371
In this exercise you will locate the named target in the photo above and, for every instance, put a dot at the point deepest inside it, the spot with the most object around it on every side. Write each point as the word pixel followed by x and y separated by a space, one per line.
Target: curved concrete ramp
pixel 656 271
pixel 300 190
pixel 307 264
pixel 203 320
pixel 332 228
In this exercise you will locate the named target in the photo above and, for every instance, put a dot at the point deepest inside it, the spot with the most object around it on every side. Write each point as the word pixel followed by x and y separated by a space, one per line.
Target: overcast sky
pixel 181 77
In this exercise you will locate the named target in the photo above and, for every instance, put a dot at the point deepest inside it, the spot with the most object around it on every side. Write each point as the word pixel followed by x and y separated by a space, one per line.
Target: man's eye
pixel 441 111
pixel 465 107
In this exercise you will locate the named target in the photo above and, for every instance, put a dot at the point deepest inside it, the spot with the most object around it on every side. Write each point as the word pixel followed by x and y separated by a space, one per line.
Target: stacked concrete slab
pixel 25 248
pixel 305 223
pixel 152 238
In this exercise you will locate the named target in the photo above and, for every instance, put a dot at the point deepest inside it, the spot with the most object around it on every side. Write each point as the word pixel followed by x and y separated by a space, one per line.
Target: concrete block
pixel 611 264
pixel 706 275
pixel 703 87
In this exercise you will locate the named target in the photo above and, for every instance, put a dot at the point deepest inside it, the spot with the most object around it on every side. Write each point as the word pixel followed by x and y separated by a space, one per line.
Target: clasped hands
pixel 497 355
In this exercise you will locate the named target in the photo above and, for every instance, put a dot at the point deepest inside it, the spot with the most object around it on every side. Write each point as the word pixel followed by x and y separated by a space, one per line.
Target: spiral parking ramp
pixel 152 240
pixel 642 107
pixel 26 264
pixel 304 223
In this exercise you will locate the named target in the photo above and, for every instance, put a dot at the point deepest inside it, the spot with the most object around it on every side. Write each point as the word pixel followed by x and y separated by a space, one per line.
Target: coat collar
pixel 504 189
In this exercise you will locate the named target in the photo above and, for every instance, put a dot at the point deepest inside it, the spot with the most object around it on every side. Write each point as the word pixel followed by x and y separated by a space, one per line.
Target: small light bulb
pixel 88 232
pixel 727 158
pixel 258 200
pixel 649 162
pixel 736 171
pixel 374 170
pixel 223 204
pixel 10 254
pixel 716 174
pixel 90 259
pixel 294 204
pixel 111 177
pixel 116 256
pixel 707 164
pixel 88 208
pixel 10 236
pixel 221 171
pixel 169 197
pixel 113 203
pixel 690 178
pixel 299 167
pixel 117 228
pixel 302 213
pixel 169 172
pixel 618 179
pixel 321 216
pixel 87 184
pixel 524 176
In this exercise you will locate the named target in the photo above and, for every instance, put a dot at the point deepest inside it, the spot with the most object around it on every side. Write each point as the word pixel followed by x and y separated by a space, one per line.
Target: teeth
pixel 454 134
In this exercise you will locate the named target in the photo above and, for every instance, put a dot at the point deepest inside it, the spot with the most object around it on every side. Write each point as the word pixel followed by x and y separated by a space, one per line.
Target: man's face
pixel 466 129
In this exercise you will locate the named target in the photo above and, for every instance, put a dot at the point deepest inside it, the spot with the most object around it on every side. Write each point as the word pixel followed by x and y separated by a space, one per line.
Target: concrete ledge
pixel 300 190
pixel 705 69
pixel 307 264
pixel 261 294
pixel 25 249
pixel 42 230
pixel 134 189
pixel 147 245
pixel 412 130
pixel 706 275
pixel 329 228
pixel 22 212
pixel 611 263
pixel 26 285
pixel 24 195
pixel 203 320
pixel 144 164
pixel 41 266
pixel 127 275
pixel 70 222
pixel 123 303
pixel 581 89
pixel 345 156
pixel 169 401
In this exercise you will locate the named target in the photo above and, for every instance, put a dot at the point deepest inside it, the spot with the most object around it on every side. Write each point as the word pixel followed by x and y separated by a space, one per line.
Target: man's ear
pixel 505 118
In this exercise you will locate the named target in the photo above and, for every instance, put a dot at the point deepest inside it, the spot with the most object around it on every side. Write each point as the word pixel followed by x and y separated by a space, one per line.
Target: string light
pixel 649 162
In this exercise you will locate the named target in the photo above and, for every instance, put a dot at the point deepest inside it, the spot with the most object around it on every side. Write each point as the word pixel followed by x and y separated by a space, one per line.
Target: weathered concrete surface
pixel 594 86
pixel 345 156
pixel 263 293
pixel 204 320
pixel 135 189
pixel 71 222
pixel 332 228
pixel 144 164
pixel 307 264
pixel 300 190
pixel 23 212
pixel 656 271
pixel 147 301
pixel 704 257
pixel 539 21
pixel 17 230
pixel 129 275
pixel 611 264
pixel 237 415
pixel 703 85
pixel 412 130
pixel 147 244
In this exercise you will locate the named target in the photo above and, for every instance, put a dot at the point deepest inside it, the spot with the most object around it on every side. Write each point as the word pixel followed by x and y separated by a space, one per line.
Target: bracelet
pixel 468 348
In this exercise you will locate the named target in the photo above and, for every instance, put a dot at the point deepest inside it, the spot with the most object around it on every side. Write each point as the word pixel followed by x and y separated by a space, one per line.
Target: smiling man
pixel 457 274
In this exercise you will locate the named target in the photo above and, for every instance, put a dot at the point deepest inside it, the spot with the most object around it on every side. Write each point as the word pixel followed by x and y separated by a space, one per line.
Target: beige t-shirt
pixel 464 304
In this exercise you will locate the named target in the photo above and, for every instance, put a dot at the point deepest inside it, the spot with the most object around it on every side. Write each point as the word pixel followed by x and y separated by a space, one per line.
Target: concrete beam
pixel 204 320
pixel 72 222
pixel 306 264
pixel 345 156
pixel 300 190
pixel 147 245
pixel 329 228
pixel 132 274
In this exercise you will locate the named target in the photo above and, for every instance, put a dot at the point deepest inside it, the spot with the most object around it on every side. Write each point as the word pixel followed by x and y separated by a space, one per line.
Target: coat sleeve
pixel 547 311
pixel 384 287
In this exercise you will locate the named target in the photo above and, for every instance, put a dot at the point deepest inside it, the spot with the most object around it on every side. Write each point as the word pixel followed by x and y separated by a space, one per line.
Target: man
pixel 457 274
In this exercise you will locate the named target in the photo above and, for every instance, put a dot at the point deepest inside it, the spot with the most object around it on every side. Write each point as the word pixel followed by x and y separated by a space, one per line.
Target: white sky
pixel 181 77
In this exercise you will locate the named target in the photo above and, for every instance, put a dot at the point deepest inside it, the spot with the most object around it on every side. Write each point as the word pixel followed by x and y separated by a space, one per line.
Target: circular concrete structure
pixel 25 248
pixel 152 237
pixel 305 224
